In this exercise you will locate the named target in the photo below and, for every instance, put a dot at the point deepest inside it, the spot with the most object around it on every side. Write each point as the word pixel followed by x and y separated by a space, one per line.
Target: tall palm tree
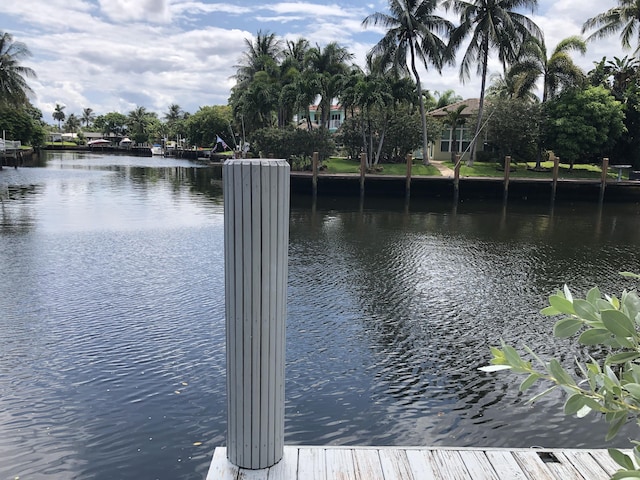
pixel 625 17
pixel 72 124
pixel 58 114
pixel 558 71
pixel 14 90
pixel 88 116
pixel 492 25
pixel 137 123
pixel 329 65
pixel 262 55
pixel 413 32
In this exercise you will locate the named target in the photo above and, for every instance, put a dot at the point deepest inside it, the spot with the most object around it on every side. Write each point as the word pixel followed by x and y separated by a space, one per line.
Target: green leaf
pixel 594 295
pixel 594 336
pixel 633 389
pixel 559 373
pixel 622 357
pixel 626 475
pixel 574 403
pixel 615 427
pixel 561 304
pixel 630 275
pixel 586 310
pixel 566 327
pixel 529 381
pixel 618 323
pixel 550 311
pixel 621 458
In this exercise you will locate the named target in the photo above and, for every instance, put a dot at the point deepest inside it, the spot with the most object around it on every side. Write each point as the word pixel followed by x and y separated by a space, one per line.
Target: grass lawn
pixel 524 170
pixel 345 165
pixel 61 144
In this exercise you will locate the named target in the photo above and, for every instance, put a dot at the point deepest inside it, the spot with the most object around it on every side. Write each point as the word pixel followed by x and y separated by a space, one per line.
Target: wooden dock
pixel 419 463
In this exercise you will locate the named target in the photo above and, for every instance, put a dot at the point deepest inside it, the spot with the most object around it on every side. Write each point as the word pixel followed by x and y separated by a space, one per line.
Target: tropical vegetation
pixel 608 382
pixel 286 90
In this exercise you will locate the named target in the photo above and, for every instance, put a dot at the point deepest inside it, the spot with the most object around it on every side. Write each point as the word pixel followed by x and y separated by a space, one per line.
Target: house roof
pixel 471 106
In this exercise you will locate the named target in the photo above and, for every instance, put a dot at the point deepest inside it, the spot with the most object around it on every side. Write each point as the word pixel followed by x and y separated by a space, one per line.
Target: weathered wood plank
pixel 287 468
pixel 221 468
pixel 584 462
pixel 340 465
pixel 533 466
pixel 395 464
pixel 449 464
pixel 606 462
pixel 505 465
pixel 420 462
pixel 367 464
pixel 312 464
pixel 371 463
pixel 478 465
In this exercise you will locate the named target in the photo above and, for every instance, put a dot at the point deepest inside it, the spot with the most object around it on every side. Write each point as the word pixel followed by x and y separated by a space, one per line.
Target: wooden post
pixel 603 178
pixel 408 183
pixel 556 167
pixel 256 238
pixel 363 171
pixel 456 177
pixel 314 169
pixel 507 171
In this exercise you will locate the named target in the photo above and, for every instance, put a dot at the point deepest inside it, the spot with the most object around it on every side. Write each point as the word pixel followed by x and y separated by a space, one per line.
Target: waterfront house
pixel 456 138
pixel 336 117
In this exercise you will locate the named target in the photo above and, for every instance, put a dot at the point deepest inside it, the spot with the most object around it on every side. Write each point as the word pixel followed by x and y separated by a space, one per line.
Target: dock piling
pixel 256 238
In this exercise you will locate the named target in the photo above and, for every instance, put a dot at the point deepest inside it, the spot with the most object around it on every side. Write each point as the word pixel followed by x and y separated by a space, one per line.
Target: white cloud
pixel 136 10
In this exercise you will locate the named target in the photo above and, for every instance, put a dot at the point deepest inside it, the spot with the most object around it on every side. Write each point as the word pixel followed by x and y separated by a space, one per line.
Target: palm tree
pixel 262 55
pixel 625 17
pixel 58 114
pixel 72 124
pixel 88 116
pixel 513 85
pixel 137 123
pixel 558 71
pixel 412 32
pixel 329 64
pixel 492 25
pixel 261 60
pixel 14 90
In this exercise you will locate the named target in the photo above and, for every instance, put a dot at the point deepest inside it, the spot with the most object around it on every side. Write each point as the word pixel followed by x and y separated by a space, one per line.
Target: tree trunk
pixel 423 118
pixel 474 140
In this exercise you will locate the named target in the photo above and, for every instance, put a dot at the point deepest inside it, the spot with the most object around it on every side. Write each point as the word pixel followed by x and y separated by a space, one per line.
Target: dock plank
pixel 505 465
pixel 312 464
pixel 287 468
pixel 478 465
pixel 340 465
pixel 418 463
pixel 395 464
pixel 221 468
pixel 584 462
pixel 421 464
pixel 450 465
pixel 367 464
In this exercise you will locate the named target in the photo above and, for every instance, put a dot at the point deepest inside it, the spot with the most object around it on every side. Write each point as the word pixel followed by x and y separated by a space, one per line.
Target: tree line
pixel 580 115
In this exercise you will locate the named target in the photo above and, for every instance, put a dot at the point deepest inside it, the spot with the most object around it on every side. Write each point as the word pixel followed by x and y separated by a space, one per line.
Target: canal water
pixel 112 345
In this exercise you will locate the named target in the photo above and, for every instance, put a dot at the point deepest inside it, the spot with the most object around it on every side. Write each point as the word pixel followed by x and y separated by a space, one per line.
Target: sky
pixel 115 55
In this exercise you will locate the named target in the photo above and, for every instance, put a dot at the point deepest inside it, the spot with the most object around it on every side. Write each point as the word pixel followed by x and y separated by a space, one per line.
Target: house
pixel 336 116
pixel 456 138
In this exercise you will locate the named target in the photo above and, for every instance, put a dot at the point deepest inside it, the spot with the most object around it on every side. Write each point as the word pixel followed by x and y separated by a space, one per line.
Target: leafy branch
pixel 610 387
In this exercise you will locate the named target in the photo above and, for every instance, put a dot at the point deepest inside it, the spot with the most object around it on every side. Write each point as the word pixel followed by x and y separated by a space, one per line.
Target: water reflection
pixel 112 355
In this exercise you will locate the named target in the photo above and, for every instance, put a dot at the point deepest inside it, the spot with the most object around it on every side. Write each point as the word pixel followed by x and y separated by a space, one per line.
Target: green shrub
pixel 610 386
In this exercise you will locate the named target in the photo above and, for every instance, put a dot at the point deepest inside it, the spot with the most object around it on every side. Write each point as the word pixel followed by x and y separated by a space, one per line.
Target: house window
pixel 457 141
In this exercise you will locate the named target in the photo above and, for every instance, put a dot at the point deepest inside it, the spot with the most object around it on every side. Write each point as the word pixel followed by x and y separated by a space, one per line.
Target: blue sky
pixel 114 55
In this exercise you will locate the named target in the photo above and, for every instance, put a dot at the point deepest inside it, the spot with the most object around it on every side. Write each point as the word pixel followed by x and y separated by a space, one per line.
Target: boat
pixel 100 142
pixel 156 149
